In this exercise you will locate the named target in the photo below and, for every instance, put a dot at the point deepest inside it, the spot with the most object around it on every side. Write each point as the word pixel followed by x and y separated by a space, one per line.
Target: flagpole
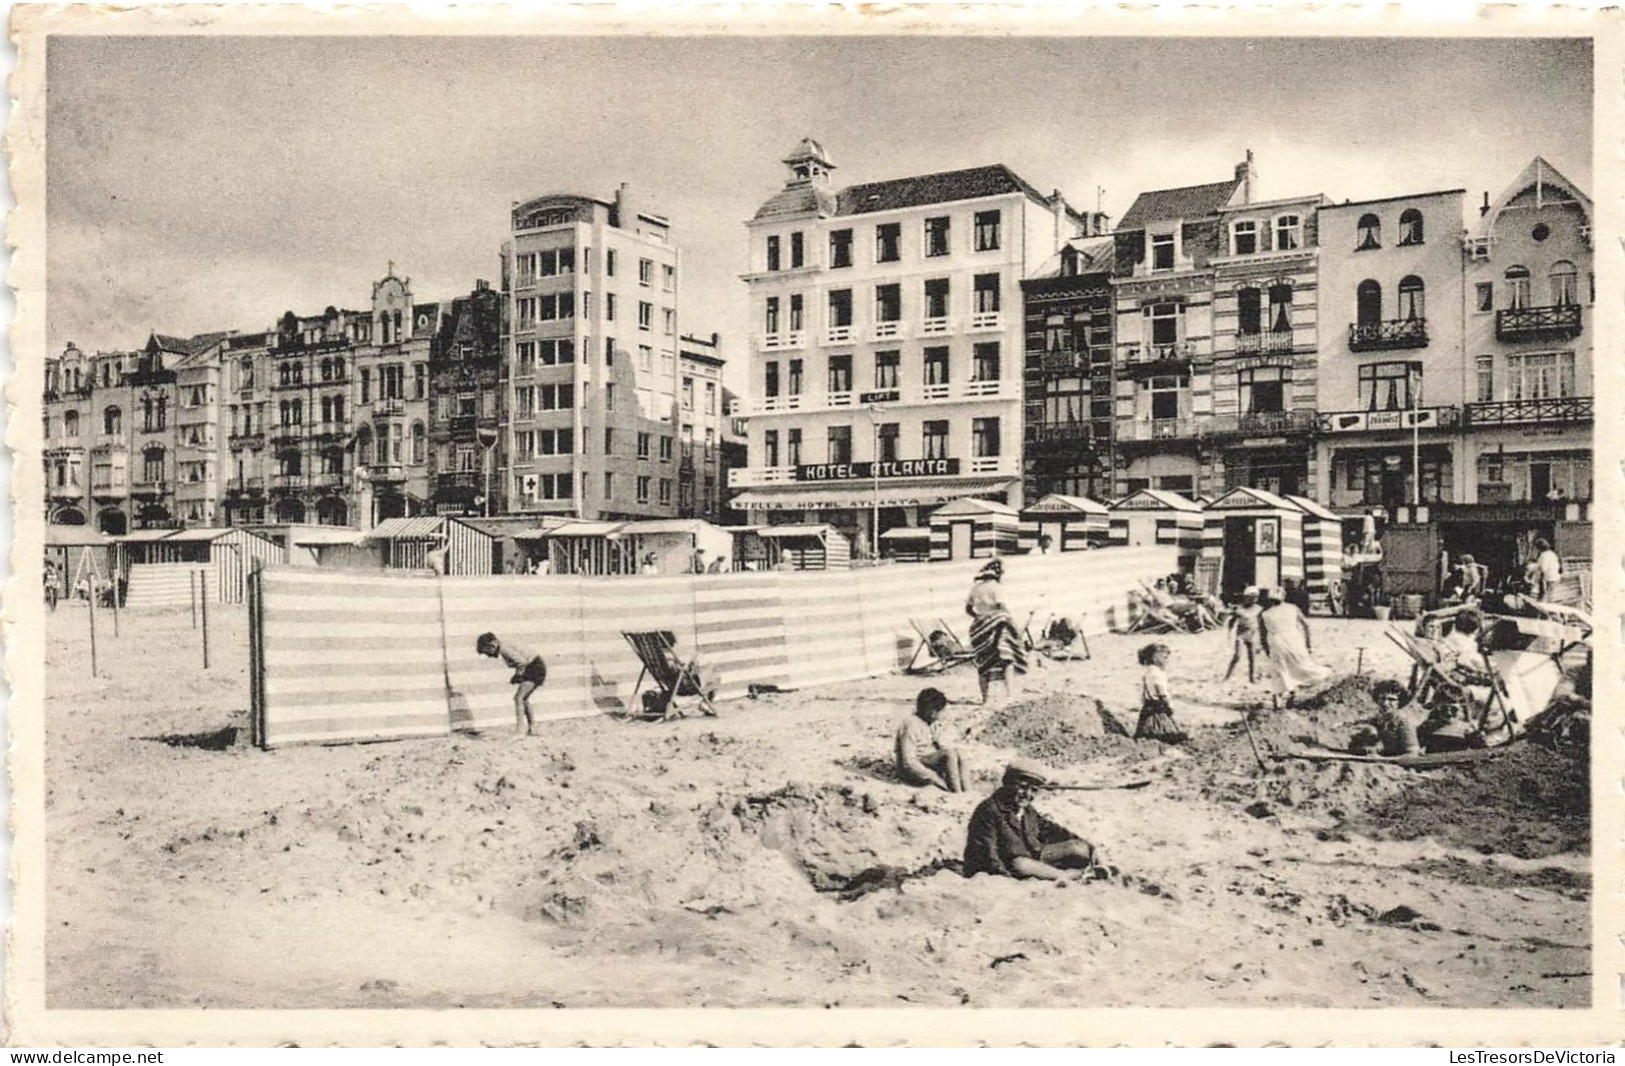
pixel 1416 439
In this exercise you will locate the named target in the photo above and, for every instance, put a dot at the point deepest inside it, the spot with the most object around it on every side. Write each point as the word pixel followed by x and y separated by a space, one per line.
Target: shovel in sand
pixel 1126 786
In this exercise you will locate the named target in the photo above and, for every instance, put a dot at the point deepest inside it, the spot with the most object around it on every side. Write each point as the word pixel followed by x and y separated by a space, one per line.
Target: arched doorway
pixel 154 516
pixel 330 511
pixel 290 511
pixel 112 522
pixel 67 516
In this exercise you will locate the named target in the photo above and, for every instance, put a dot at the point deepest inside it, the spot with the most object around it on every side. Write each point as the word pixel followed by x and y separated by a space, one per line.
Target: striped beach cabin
pixel 405 543
pixel 968 528
pixel 162 563
pixel 1157 516
pixel 804 547
pixel 1322 546
pixel 1072 523
pixel 1252 537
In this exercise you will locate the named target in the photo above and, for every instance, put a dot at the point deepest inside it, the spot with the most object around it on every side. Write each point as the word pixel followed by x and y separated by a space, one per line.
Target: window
pixel 665 448
pixel 1162 251
pixel 1281 308
pixel 70 423
pixel 668 321
pixel 1517 287
pixel 773 253
pixel 1368 303
pixel 688 394
pixel 840 373
pixel 556 306
pixel 1262 390
pixel 1243 238
pixel 525 357
pixel 1164 322
pixel 609 307
pixel 795 312
pixel 792 447
pixel 524 445
pixel 1545 376
pixel 646 314
pixel 798 250
pixel 936 366
pixel 609 485
pixel 985 362
pixel 840 248
pixel 1565 282
pixel 1411 306
pixel 770 379
pixel 886 442
pixel 840 308
pixel 1288 233
pixel 1486 296
pixel 936 298
pixel 643 488
pixel 420 443
pixel 1410 226
pixel 934 440
pixel 112 421
pixel 771 321
pixel 1368 233
pixel 710 397
pixel 794 382
pixel 984 437
pixel 420 381
pixel 1387 386
pixel 1486 378
pixel 668 280
pixel 770 448
pixel 936 235
pixel 152 465
pixel 557 397
pixel 986 294
pixel 646 272
pixel 1165 393
pixel 665 492
pixel 1249 311
pixel 886 366
pixel 840 444
pixel 987 231
pixel 888 242
pixel 888 303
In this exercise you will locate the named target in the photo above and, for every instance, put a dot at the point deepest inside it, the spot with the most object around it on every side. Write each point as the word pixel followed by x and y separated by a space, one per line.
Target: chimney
pixel 1482 211
pixel 1057 204
pixel 1099 224
pixel 481 285
pixel 625 210
pixel 1247 176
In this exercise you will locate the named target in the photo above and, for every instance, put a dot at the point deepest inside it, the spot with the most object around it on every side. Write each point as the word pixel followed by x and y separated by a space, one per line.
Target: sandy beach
pixel 710 861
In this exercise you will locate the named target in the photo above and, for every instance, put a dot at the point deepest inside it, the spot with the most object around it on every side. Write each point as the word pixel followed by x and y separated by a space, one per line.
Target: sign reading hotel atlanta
pixel 896 468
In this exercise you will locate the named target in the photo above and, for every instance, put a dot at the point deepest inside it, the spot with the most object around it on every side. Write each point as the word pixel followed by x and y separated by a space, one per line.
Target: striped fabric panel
pixel 164 586
pixel 740 624
pixel 541 615
pixel 350 657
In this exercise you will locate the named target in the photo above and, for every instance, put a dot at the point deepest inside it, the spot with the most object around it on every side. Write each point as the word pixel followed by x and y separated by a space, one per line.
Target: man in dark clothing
pixel 1008 837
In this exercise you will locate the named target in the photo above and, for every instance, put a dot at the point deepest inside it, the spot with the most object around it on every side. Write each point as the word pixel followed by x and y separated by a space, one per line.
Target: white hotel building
pixel 887 325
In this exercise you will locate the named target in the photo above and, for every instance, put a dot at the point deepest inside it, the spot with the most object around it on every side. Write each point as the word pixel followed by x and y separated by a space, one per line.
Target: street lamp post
pixel 1416 436
pixel 874 477
pixel 488 440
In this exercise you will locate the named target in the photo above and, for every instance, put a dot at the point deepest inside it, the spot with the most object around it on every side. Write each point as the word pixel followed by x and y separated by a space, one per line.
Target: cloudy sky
pixel 203 183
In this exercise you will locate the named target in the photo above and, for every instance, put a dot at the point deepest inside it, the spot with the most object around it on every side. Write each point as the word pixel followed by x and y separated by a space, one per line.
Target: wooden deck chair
pixel 657 651
pixel 1050 648
pixel 944 653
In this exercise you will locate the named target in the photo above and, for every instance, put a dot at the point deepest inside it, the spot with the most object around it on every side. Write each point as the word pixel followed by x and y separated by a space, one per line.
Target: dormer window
pixel 1288 233
pixel 1243 238
pixel 1162 251
pixel 1369 233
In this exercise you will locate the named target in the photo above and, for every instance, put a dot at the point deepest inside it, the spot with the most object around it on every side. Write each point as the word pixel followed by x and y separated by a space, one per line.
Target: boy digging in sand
pixel 529 671
pixel 921 758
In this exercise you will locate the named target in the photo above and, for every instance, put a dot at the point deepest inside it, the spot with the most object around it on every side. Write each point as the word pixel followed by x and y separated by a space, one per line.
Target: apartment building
pixel 885 355
pixel 1391 380
pixel 702 470
pixel 248 464
pixel 197 440
pixel 465 418
pixel 1068 381
pixel 310 361
pixel 591 356
pixel 389 405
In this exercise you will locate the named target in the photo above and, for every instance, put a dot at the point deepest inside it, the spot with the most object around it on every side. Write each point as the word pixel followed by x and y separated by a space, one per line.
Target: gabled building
pixel 1163 297
pixel 466 416
pixel 701 408
pixel 885 352
pixel 247 461
pixel 311 360
pixel 390 406
pixel 198 444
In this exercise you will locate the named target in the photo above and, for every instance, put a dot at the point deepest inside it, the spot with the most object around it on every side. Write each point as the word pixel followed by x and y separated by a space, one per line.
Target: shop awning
pixel 858 496
pixel 661 525
pixel 573 529
pixel 907 533
pixel 791 532
pixel 422 527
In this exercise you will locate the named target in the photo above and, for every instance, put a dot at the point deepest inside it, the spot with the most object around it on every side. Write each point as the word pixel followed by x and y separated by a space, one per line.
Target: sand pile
pixel 1063 729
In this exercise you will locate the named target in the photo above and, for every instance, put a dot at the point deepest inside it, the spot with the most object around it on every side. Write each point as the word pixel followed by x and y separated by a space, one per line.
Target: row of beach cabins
pixel 1246 537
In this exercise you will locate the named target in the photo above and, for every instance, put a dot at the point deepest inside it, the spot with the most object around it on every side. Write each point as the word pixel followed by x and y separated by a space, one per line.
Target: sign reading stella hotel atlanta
pixel 896 468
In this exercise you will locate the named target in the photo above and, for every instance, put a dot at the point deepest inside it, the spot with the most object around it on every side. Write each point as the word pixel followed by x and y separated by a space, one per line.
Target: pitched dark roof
pixel 1192 201
pixel 166 343
pixel 798 199
pixel 932 189
pixel 204 341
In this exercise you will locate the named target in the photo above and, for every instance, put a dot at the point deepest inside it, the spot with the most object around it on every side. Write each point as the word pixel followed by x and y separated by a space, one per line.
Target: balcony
pixel 327 479
pixel 986 320
pixel 1173 358
pixel 1387 421
pixel 246 440
pixel 1538 323
pixel 245 486
pixel 985 389
pixel 1266 424
pixel 1159 429
pixel 1058 362
pixel 839 398
pixel 1388 336
pixel 988 464
pixel 749 477
pixel 1054 433
pixel 109 489
pixel 458 483
pixel 1268 343
pixel 935 327
pixel 1556 411
pixel 887 331
pixel 782 342
pixel 287 482
pixel 285 435
pixel 386 473
pixel 838 335
pixel 387 408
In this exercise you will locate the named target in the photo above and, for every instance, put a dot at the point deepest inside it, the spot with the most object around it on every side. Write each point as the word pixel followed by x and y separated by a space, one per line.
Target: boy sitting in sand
pixel 1390 732
pixel 529 671
pixel 921 758
pixel 1009 838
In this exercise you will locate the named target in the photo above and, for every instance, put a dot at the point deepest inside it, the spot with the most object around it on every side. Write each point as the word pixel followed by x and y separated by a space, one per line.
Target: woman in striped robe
pixel 998 644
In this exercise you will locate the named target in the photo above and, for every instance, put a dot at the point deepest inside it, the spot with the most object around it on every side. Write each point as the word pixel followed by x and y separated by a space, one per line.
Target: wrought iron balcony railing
pixel 1268 342
pixel 1538 323
pixel 1388 336
pixel 1552 411
pixel 1266 424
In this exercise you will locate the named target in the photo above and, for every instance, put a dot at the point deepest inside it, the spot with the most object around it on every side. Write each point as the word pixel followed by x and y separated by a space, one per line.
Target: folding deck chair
pixel 1050 648
pixel 657 650
pixel 944 653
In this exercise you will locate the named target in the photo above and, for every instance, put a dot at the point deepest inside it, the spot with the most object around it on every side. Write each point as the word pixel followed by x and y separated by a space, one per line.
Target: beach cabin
pixel 968 528
pixel 1322 546
pixel 1253 537
pixel 405 543
pixel 585 547
pixel 906 544
pixel 162 563
pixel 674 542
pixel 1072 523
pixel 80 551
pixel 1158 516
pixel 805 547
